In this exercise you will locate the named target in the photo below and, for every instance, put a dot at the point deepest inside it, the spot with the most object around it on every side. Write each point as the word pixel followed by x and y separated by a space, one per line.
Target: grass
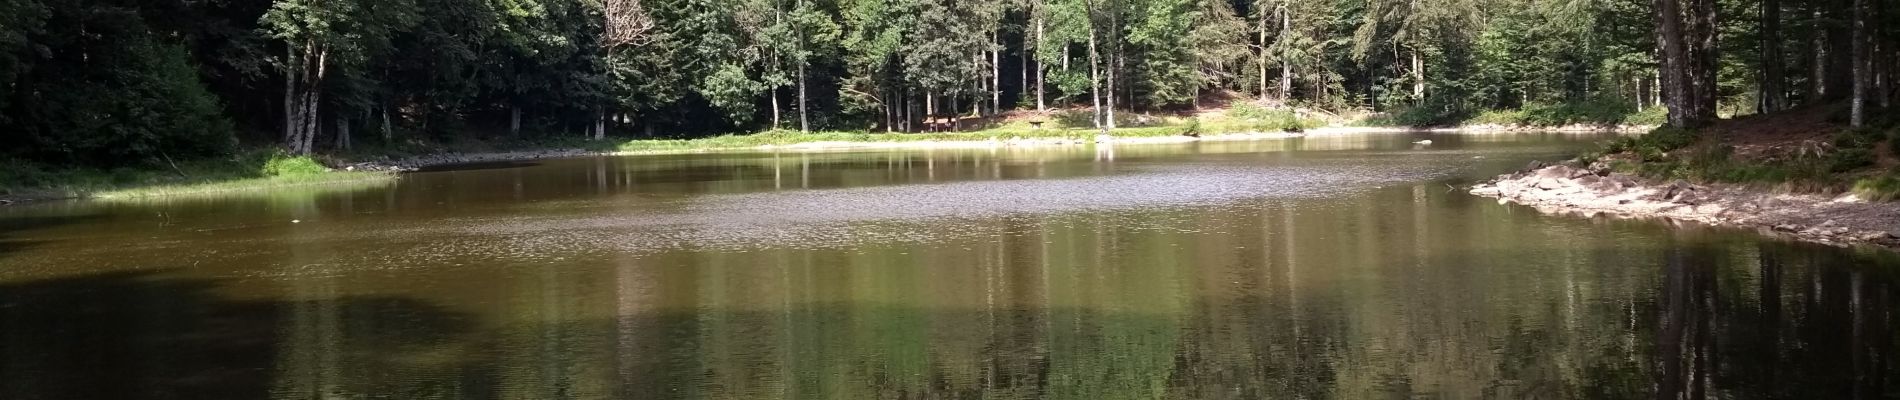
pixel 1670 153
pixel 1592 112
pixel 249 171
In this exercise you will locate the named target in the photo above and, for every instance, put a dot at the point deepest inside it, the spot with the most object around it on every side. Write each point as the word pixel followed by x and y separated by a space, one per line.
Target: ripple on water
pixel 835 218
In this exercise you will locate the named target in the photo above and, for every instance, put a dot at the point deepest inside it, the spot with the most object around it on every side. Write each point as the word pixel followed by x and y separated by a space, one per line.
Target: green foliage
pixel 280 164
pixel 1250 116
pixel 112 95
pixel 1885 187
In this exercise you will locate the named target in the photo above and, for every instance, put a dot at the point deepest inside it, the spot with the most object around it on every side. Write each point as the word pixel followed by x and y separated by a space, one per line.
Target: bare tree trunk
pixel 1418 75
pixel 1286 66
pixel 1260 8
pixel 956 115
pixel 388 133
pixel 514 121
pixel 1857 116
pixel 1773 96
pixel 775 115
pixel 1114 65
pixel 804 123
pixel 1095 68
pixel 1042 74
pixel 1818 84
pixel 600 124
pixel 1703 59
pixel 1674 62
pixel 342 133
pixel 290 99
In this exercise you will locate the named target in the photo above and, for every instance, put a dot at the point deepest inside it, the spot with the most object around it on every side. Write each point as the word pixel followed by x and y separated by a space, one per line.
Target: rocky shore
pixel 1591 191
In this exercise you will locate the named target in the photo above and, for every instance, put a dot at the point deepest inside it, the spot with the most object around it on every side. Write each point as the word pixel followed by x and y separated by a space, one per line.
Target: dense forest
pixel 116 82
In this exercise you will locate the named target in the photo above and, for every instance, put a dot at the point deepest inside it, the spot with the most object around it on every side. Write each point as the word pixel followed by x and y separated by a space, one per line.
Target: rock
pixel 1787 228
pixel 1623 202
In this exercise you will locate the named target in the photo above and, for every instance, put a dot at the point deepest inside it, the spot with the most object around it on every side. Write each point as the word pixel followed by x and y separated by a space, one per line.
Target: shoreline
pixel 392 168
pixel 1565 189
pixel 412 164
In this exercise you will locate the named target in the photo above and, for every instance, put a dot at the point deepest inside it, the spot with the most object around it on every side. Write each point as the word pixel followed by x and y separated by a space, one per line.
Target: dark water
pixel 1337 267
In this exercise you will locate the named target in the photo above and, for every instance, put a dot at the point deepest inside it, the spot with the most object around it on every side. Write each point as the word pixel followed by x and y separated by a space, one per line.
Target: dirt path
pixel 1564 189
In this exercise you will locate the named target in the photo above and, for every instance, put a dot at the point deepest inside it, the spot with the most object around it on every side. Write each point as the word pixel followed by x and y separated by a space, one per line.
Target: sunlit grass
pixel 256 171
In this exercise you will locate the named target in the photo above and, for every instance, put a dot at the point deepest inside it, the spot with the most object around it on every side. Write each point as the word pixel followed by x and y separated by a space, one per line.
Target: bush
pixel 281 165
pixel 1858 138
pixel 1880 188
pixel 1849 159
pixel 1250 116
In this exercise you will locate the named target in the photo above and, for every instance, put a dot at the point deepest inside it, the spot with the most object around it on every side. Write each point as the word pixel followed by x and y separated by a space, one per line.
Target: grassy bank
pixel 1602 112
pixel 1799 152
pixel 251 170
pixel 269 169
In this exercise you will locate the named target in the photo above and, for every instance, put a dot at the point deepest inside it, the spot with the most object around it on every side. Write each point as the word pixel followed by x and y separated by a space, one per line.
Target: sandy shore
pixel 1566 189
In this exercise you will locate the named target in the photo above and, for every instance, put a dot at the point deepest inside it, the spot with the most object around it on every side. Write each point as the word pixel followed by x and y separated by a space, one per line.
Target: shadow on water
pixel 10 226
pixel 141 335
pixel 478 166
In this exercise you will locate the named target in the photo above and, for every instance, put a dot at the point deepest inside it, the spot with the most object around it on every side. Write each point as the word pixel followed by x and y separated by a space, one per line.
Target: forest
pixel 142 82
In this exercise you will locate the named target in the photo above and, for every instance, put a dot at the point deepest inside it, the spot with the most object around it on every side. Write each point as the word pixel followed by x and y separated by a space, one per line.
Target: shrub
pixel 1849 159
pixel 1858 138
pixel 1880 188
pixel 281 165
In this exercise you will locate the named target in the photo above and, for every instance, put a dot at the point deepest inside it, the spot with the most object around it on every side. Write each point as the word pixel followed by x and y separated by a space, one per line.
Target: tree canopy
pixel 114 82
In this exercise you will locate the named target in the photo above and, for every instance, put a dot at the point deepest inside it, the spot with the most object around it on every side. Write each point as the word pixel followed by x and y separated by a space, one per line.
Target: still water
pixel 1324 267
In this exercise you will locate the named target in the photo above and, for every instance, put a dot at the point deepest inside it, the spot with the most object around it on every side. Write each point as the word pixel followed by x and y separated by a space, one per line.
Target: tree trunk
pixel 956 115
pixel 290 99
pixel 775 115
pixel 996 73
pixel 1674 62
pixel 1095 69
pixel 1773 96
pixel 388 134
pixel 1703 56
pixel 514 121
pixel 342 133
pixel 1818 83
pixel 1418 75
pixel 600 124
pixel 1840 53
pixel 1113 68
pixel 804 121
pixel 1286 66
pixel 1260 8
pixel 1042 74
pixel 1857 115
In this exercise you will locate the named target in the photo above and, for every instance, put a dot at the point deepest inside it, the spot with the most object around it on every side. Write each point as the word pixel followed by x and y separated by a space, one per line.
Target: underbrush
pixel 254 169
pixel 1842 165
pixel 1598 112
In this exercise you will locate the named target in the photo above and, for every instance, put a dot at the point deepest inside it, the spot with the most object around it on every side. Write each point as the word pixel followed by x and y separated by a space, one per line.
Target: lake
pixel 1349 266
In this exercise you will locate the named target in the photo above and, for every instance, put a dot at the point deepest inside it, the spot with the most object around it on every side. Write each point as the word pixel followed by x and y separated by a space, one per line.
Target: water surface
pixel 1325 267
